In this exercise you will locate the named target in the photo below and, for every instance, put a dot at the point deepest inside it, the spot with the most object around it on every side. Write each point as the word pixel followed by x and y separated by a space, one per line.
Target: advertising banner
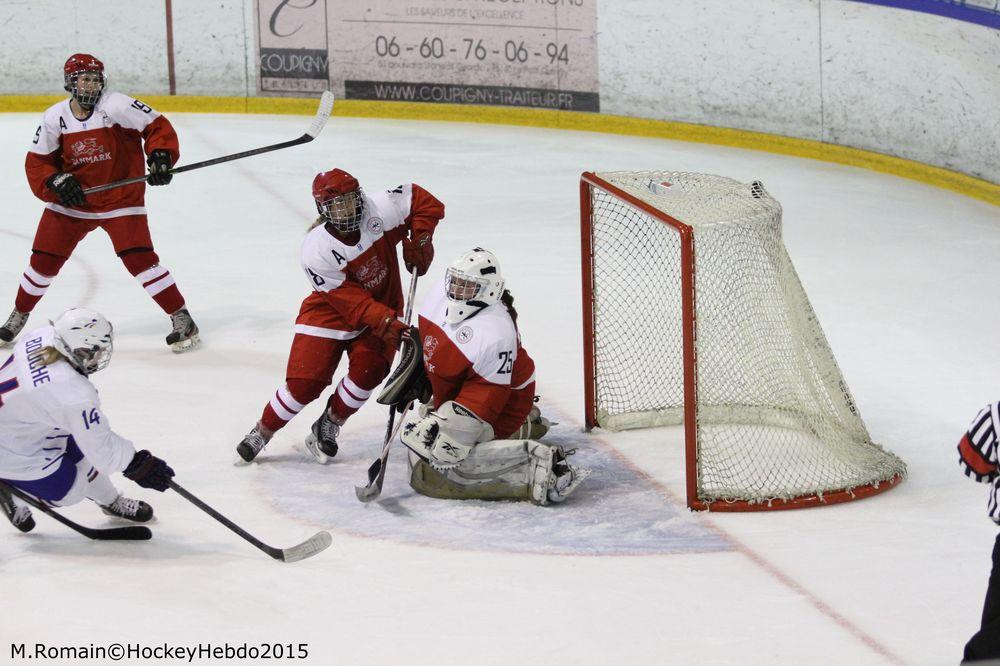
pixel 529 53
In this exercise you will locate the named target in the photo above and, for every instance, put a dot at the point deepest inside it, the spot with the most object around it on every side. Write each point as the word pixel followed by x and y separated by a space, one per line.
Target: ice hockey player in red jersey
pixel 480 439
pixel 92 138
pixel 349 258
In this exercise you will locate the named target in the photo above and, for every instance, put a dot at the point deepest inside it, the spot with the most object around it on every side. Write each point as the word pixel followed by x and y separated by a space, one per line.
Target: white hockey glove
pixel 446 436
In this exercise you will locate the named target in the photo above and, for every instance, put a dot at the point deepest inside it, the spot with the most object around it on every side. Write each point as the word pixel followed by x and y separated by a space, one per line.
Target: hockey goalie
pixel 477 435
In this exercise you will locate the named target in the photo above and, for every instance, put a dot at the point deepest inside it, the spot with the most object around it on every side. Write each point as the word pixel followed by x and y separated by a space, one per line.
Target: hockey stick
pixel 315 544
pixel 322 113
pixel 376 472
pixel 130 533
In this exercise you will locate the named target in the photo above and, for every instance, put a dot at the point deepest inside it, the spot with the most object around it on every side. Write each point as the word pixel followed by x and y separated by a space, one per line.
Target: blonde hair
pixel 316 223
pixel 50 355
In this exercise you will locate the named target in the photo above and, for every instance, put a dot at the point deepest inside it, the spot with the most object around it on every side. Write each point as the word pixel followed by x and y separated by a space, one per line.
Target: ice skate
pixel 253 443
pixel 130 509
pixel 15 322
pixel 322 441
pixel 19 515
pixel 184 337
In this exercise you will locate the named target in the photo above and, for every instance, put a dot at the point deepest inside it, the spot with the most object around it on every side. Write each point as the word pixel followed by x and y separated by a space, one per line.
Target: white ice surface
pixel 903 277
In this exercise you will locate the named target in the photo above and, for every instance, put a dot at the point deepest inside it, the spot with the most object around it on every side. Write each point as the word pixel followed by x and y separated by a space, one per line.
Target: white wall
pixel 913 85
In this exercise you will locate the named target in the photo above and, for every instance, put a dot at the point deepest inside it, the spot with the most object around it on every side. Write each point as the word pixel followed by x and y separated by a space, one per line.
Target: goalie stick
pixel 311 546
pixel 376 471
pixel 322 114
pixel 130 533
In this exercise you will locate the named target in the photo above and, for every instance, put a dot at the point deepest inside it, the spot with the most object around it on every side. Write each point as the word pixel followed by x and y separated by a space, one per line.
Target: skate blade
pixel 581 476
pixel 238 461
pixel 313 448
pixel 186 345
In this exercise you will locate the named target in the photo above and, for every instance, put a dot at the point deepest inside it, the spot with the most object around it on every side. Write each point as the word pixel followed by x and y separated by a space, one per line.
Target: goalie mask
pixel 84 79
pixel 473 282
pixel 339 200
pixel 85 338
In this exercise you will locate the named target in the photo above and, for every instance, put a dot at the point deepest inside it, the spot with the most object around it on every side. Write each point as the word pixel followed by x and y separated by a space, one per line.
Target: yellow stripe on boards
pixel 569 120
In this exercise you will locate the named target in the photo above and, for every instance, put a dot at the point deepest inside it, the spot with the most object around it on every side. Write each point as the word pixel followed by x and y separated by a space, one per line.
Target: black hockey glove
pixel 67 189
pixel 159 168
pixel 149 471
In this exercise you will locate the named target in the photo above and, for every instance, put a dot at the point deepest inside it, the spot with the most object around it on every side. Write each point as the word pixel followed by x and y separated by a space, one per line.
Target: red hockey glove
pixel 391 331
pixel 418 253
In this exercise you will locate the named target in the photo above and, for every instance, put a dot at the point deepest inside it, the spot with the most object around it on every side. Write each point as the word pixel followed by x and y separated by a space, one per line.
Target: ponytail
pixel 508 300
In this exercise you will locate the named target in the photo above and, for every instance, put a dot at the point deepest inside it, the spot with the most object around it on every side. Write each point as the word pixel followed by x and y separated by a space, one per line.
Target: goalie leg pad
pixel 504 469
pixel 552 479
pixel 494 470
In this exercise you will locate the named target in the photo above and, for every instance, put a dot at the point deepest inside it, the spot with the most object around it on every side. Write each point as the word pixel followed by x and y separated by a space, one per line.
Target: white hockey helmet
pixel 85 338
pixel 472 282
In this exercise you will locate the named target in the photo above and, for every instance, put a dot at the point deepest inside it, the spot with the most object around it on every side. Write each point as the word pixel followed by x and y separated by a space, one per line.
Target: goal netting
pixel 695 315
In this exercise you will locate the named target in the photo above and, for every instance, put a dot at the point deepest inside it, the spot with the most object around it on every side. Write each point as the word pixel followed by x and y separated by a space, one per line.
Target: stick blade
pixel 374 487
pixel 317 543
pixel 368 493
pixel 322 114
pixel 130 533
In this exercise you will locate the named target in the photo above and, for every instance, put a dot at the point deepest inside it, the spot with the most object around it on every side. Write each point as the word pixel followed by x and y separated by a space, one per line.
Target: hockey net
pixel 694 315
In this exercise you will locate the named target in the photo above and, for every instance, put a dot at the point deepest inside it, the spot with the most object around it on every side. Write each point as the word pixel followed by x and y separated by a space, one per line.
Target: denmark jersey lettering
pixel 107 146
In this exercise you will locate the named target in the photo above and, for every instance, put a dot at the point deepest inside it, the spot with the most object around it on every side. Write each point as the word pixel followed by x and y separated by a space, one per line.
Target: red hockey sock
pixel 144 265
pixel 363 376
pixel 288 401
pixel 36 279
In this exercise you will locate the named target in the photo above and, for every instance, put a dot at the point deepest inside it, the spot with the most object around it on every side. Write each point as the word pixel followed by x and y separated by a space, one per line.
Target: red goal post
pixel 693 315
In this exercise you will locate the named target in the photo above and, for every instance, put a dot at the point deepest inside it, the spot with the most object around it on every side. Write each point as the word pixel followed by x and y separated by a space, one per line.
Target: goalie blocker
pixel 453 456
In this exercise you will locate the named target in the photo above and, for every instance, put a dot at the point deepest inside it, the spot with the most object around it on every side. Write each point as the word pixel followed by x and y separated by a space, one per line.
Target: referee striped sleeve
pixel 993 506
pixel 977 450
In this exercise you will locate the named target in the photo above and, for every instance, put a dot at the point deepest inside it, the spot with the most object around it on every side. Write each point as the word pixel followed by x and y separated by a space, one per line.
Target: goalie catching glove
pixel 445 437
pixel 408 382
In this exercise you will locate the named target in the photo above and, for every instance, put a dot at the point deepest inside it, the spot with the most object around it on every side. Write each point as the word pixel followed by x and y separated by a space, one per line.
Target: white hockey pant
pixel 89 484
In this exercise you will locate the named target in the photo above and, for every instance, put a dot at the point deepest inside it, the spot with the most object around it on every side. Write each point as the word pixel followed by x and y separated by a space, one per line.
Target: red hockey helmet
pixel 84 79
pixel 339 199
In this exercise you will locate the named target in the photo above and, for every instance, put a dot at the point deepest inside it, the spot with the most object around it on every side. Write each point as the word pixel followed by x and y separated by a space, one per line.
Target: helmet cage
pixel 343 212
pixel 85 338
pixel 462 287
pixel 86 86
pixel 472 282
pixel 91 359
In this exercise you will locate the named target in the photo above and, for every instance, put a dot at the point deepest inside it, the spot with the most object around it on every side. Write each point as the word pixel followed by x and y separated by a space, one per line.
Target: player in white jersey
pixel 55 442
pixel 978 457
pixel 480 439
